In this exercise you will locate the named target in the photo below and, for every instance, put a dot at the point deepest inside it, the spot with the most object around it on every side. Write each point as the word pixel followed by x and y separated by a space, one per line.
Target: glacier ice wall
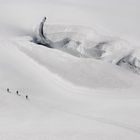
pixel 88 43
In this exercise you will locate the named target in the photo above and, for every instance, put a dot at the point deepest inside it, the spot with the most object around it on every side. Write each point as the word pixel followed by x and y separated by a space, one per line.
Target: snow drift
pixel 70 98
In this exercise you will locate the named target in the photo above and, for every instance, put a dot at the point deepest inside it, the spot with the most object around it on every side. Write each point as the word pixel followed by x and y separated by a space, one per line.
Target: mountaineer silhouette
pixel 17 92
pixel 26 97
pixel 8 90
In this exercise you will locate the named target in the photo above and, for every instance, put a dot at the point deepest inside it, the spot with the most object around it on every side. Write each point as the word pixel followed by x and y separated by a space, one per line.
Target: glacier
pixel 88 43
pixel 85 88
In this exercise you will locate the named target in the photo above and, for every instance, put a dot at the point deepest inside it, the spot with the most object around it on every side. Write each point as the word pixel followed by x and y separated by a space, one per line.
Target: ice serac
pixel 42 39
pixel 88 43
pixel 130 61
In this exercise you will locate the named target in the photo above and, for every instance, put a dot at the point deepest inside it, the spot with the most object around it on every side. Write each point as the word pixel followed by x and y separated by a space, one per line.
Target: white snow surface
pixel 73 95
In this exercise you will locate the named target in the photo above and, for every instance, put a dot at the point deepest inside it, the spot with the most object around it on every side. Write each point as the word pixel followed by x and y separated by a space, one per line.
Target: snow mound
pixel 88 43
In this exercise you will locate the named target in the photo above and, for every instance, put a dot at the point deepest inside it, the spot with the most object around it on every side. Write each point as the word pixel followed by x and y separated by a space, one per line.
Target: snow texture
pixel 85 87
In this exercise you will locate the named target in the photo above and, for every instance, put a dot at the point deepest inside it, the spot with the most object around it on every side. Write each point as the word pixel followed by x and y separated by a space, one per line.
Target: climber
pixel 26 97
pixel 17 93
pixel 8 90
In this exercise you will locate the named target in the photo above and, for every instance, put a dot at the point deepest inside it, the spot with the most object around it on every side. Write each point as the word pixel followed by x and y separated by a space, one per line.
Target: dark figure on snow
pixel 26 97
pixel 17 93
pixel 8 90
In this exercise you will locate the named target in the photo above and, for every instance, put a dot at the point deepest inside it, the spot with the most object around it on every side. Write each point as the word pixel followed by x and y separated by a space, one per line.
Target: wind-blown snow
pixel 88 43
pixel 71 97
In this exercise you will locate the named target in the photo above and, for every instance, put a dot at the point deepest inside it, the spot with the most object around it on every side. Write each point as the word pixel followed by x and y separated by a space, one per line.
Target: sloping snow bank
pixel 57 109
pixel 79 71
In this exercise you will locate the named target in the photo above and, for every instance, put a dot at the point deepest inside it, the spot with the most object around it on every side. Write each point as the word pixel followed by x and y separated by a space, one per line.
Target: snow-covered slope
pixel 70 97
pixel 57 109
